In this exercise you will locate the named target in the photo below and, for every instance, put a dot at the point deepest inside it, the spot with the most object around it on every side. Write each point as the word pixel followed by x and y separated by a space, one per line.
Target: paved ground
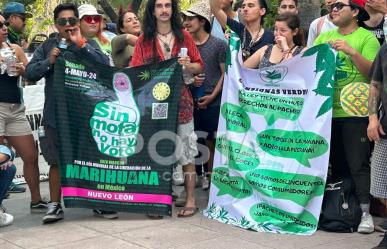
pixel 81 229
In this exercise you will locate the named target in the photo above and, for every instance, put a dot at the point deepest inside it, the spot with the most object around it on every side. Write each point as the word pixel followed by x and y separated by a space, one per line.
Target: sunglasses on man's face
pixel 23 18
pixel 339 5
pixel 91 19
pixel 64 21
pixel 3 25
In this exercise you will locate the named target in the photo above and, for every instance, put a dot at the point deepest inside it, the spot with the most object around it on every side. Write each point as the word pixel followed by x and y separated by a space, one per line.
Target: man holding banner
pixel 42 65
pixel 163 29
pixel 350 147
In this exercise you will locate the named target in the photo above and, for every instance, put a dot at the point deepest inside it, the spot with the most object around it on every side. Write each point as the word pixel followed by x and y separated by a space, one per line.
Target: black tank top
pixel 265 62
pixel 9 90
pixel 377 31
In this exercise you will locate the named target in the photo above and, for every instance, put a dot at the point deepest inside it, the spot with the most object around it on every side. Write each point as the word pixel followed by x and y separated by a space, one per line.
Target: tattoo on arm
pixel 374 98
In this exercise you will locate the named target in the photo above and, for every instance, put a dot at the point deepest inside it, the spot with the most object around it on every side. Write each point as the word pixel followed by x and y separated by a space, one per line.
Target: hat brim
pixel 191 14
pixel 89 14
pixel 188 13
pixel 26 14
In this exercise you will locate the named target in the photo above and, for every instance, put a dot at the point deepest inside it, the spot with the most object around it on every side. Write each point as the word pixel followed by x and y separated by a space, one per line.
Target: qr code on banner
pixel 159 110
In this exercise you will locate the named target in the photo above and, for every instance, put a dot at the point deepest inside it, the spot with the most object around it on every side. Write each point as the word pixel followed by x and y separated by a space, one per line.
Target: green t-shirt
pixel 106 48
pixel 346 72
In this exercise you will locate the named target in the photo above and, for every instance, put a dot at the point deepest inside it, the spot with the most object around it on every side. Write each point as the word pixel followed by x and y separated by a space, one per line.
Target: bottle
pixel 62 44
pixel 11 61
pixel 187 76
pixel 3 66
pixel 198 91
pixel 41 131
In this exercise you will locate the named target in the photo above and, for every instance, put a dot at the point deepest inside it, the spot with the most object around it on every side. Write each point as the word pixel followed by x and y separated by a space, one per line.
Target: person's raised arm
pixel 219 14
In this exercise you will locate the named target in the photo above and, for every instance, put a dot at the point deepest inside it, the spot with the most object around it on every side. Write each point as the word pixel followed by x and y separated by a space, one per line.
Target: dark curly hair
pixel 120 21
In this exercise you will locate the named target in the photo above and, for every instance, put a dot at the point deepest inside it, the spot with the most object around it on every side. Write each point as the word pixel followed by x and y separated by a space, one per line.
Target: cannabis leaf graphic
pixel 273 75
pixel 340 73
pixel 234 44
pixel 211 211
pixel 222 215
pixel 146 75
pixel 243 222
pixel 325 57
pixel 265 226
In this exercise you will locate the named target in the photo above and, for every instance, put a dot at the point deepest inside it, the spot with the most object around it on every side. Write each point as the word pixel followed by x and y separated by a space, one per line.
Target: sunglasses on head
pixel 91 19
pixel 64 21
pixel 339 5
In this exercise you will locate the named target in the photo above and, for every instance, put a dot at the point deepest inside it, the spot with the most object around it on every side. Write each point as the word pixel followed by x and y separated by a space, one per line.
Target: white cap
pixel 87 10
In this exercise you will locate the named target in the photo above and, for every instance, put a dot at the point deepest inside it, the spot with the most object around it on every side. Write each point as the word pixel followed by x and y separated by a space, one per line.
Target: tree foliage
pixel 25 2
pixel 270 13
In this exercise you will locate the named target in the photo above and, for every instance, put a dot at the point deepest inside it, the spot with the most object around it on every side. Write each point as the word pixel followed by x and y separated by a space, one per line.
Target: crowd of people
pixel 354 28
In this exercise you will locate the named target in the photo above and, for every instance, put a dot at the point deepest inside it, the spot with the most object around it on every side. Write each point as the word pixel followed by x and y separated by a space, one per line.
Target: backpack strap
pixel 320 24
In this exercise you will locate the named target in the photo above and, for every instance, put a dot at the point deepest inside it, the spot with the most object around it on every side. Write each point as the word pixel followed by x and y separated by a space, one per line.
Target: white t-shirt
pixel 217 29
pixel 327 25
pixel 385 28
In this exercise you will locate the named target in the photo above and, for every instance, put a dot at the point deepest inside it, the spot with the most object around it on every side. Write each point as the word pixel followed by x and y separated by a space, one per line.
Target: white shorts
pixel 189 150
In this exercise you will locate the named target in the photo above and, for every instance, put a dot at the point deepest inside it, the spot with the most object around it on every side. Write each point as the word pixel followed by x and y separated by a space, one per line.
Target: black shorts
pixel 207 120
pixel 49 145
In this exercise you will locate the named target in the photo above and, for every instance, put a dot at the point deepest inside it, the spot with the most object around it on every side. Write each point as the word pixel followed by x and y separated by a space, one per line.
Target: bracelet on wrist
pixel 81 42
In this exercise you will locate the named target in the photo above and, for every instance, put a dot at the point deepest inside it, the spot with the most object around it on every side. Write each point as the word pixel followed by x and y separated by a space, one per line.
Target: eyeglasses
pixel 92 19
pixel 339 5
pixel 3 25
pixel 23 18
pixel 64 21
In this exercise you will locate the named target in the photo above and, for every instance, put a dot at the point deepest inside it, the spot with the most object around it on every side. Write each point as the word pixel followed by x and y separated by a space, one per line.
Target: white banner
pixel 272 146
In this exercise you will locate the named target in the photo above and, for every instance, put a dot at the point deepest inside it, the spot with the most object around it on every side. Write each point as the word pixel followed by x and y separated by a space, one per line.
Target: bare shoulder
pixel 262 50
pixel 15 46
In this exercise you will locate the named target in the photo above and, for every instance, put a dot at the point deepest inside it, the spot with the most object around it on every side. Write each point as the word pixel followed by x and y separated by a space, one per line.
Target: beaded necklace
pixel 166 45
pixel 246 50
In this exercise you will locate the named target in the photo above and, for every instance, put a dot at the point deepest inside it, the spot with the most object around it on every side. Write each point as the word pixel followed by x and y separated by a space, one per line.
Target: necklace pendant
pixel 166 47
pixel 245 53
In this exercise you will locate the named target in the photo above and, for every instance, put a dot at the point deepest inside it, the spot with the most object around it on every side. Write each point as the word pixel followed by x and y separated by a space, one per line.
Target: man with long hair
pixel 162 39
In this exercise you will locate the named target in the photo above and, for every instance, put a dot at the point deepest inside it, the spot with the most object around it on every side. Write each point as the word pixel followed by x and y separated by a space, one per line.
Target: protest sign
pixel 272 146
pixel 116 132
